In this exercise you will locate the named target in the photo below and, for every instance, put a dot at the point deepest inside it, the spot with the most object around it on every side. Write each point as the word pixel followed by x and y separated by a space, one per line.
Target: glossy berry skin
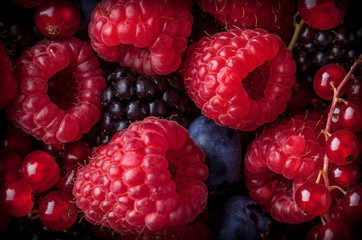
pixel 313 232
pixel 222 147
pixel 352 203
pixel 351 117
pixel 57 19
pixel 354 91
pixel 313 198
pixel 10 163
pixel 60 84
pixel 242 218
pixel 322 14
pixel 342 147
pixel 76 153
pixel 57 210
pixel 345 175
pixel 40 170
pixel 66 180
pixel 335 231
pixel 16 198
pixel 329 73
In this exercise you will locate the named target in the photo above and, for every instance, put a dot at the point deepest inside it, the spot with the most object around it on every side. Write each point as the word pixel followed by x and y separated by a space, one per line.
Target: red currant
pixel 352 203
pixel 40 170
pixel 67 177
pixel 325 76
pixel 322 14
pixel 76 152
pixel 345 175
pixel 57 211
pixel 351 117
pixel 57 18
pixel 354 91
pixel 335 231
pixel 10 163
pixel 337 213
pixel 342 147
pixel 313 198
pixel 16 139
pixel 313 232
pixel 16 198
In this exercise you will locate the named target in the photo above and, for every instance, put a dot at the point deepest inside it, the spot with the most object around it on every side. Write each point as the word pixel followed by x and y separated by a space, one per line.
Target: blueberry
pixel 242 218
pixel 222 147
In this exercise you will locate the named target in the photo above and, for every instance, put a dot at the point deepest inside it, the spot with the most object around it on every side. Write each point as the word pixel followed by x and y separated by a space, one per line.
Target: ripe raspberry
pixel 274 16
pixel 148 36
pixel 284 156
pixel 7 80
pixel 148 179
pixel 59 89
pixel 240 78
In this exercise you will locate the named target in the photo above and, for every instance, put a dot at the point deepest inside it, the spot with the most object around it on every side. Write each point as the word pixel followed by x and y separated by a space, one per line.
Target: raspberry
pixel 273 16
pixel 148 179
pixel 240 78
pixel 7 80
pixel 59 89
pixel 148 36
pixel 284 156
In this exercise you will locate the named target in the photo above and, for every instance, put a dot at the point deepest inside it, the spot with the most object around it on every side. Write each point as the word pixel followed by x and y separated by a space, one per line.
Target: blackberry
pixel 16 31
pixel 130 97
pixel 342 45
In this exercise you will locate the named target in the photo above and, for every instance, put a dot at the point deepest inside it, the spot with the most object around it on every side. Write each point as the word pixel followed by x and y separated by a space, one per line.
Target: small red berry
pixel 57 211
pixel 313 198
pixel 328 74
pixel 16 139
pixel 345 175
pixel 16 198
pixel 10 163
pixel 40 170
pixel 335 231
pixel 57 19
pixel 351 117
pixel 76 152
pixel 67 177
pixel 322 14
pixel 352 203
pixel 342 147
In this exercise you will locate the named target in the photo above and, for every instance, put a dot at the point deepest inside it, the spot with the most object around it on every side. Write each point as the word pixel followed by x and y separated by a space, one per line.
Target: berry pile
pixel 185 119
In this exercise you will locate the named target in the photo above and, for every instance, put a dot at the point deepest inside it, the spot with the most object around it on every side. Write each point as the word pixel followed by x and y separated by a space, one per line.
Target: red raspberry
pixel 7 80
pixel 148 179
pixel 240 78
pixel 284 156
pixel 59 89
pixel 275 16
pixel 148 36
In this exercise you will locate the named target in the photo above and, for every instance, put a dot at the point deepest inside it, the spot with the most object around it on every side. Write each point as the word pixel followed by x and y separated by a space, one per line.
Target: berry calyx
pixel 57 19
pixel 313 198
pixel 57 211
pixel 342 147
pixel 322 14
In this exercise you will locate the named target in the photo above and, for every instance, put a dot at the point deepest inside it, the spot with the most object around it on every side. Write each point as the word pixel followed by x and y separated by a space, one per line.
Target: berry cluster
pixel 185 119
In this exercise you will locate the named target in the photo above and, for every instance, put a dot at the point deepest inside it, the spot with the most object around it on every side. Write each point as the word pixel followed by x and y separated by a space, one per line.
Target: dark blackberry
pixel 342 45
pixel 17 28
pixel 130 97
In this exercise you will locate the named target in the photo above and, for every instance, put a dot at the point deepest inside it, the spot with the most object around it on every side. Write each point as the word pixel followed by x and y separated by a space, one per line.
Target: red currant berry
pixel 342 147
pixel 313 198
pixel 351 117
pixel 57 19
pixel 345 175
pixel 16 198
pixel 354 91
pixel 328 74
pixel 322 14
pixel 313 232
pixel 335 231
pixel 57 211
pixel 40 170
pixel 16 139
pixel 76 152
pixel 67 177
pixel 352 203
pixel 337 213
pixel 10 163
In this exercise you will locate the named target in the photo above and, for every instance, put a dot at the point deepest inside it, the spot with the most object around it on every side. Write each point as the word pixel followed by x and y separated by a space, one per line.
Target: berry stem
pixel 297 29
